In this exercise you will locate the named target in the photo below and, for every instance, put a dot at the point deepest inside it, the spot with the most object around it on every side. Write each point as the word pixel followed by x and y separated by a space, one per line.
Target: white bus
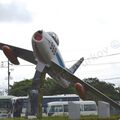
pixel 61 97
pixel 6 106
pixel 20 105
pixel 61 108
pixel 24 102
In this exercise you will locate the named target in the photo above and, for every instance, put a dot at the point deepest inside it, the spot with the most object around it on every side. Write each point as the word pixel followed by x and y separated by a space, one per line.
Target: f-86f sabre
pixel 47 58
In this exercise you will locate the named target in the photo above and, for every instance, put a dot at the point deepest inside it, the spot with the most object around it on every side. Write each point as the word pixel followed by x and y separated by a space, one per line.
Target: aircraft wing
pixel 22 53
pixel 73 79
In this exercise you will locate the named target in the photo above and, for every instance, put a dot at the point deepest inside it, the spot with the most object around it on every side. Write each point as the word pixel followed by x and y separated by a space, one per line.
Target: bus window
pixel 65 108
pixel 81 107
pixel 51 109
pixel 58 108
pixel 90 107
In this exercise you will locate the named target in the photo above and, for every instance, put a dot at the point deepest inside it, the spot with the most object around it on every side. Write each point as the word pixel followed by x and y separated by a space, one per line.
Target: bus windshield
pixel 5 105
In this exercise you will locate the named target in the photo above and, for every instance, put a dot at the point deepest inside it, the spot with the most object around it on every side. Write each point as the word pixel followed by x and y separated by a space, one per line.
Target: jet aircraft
pixel 47 58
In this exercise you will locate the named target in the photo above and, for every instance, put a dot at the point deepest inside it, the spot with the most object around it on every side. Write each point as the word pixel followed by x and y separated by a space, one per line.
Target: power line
pixel 84 59
pixel 26 65
pixel 114 78
pixel 110 63
pixel 114 54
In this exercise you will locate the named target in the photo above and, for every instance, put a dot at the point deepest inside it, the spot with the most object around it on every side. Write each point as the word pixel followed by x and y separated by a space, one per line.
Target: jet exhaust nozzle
pixel 38 36
pixel 80 89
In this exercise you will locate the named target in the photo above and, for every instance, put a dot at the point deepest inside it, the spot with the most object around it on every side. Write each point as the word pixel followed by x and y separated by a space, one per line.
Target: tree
pixel 52 88
pixel 118 90
pixel 106 88
pixel 22 88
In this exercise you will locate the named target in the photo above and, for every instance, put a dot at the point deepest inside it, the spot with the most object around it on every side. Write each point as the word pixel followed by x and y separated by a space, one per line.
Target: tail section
pixel 73 68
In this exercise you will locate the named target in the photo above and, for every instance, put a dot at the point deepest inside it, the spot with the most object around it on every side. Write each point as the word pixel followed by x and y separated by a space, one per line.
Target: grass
pixel 66 118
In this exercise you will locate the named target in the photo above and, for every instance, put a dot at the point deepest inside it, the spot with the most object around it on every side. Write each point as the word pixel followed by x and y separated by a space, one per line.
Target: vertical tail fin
pixel 74 67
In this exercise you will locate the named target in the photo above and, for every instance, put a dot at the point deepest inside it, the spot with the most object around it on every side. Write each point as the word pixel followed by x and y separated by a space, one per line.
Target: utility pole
pixel 8 76
pixel 8 72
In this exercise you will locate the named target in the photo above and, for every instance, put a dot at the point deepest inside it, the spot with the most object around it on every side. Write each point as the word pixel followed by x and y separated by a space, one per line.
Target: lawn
pixel 66 118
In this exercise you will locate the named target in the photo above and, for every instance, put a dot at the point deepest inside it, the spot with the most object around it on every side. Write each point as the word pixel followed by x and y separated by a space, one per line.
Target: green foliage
pixel 106 88
pixel 21 88
pixel 51 88
pixel 66 118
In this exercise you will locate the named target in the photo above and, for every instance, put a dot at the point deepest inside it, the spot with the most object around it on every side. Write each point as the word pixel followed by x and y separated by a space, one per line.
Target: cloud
pixel 14 12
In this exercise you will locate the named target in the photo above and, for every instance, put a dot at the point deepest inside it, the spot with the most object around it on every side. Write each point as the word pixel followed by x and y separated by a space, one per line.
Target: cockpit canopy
pixel 54 36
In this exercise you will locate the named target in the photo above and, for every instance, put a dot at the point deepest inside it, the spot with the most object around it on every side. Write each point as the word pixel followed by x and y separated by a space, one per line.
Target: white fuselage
pixel 46 50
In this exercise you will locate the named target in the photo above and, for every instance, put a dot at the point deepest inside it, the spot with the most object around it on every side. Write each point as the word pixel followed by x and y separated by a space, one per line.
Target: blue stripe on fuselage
pixel 60 60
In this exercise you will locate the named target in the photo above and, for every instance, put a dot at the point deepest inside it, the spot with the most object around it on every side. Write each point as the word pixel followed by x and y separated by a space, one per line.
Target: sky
pixel 89 29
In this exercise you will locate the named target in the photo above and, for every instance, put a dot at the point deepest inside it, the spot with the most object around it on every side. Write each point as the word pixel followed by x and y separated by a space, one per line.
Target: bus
pixel 6 106
pixel 20 105
pixel 47 99
pixel 61 108
pixel 24 102
pixel 62 97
